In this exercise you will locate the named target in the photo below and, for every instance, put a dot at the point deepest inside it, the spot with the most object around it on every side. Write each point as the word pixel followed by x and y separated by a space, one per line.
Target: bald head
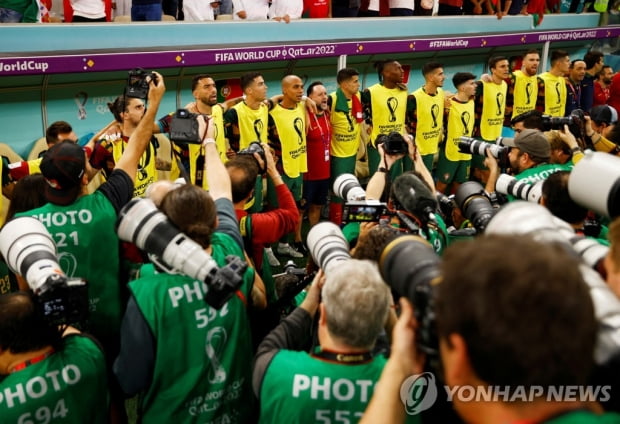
pixel 292 89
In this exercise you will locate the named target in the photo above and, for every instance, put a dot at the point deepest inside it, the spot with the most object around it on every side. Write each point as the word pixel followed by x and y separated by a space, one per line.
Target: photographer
pixel 167 310
pixel 260 229
pixel 296 386
pixel 484 346
pixel 83 224
pixel 529 159
pixel 48 373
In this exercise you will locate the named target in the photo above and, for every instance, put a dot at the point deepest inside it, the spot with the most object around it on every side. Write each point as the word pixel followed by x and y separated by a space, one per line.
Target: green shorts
pixel 339 166
pixel 295 185
pixel 452 171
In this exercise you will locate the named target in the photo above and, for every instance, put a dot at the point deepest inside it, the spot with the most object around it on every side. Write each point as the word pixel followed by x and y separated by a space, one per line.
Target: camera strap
pixel 343 358
pixel 32 361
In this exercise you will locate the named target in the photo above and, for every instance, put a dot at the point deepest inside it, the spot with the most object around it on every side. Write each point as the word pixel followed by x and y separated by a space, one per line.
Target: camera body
pixel 477 147
pixel 575 121
pixel 65 301
pixel 184 127
pixel 393 143
pixel 255 147
pixel 364 211
pixel 138 84
pixel 30 251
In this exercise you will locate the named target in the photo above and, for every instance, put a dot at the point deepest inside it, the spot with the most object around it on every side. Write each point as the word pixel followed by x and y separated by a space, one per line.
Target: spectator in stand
pixel 14 11
pixel 250 10
pixel 198 10
pixel 402 7
pixel 285 10
pixel 88 11
pixel 450 7
pixel 317 8
pixel 345 8
pixel 146 10
pixel 601 85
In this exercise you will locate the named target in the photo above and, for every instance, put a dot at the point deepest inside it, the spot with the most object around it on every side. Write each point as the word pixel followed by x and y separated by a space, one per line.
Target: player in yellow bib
pixel 522 87
pixel 453 166
pixel 552 85
pixel 425 108
pixel 345 116
pixel 247 122
pixel 385 105
pixel 287 136
pixel 490 108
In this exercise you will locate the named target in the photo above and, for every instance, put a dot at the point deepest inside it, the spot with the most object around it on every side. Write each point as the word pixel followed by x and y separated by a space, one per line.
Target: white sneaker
pixel 288 250
pixel 271 257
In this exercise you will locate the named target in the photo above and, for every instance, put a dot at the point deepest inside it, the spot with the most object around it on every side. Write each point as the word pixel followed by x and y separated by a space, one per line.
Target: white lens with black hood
pixel 594 183
pixel 141 223
pixel 29 250
pixel 327 245
pixel 347 187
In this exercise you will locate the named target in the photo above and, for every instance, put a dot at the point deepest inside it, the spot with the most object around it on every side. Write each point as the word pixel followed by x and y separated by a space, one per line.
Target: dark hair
pixel 192 210
pixel 572 63
pixel 429 67
pixel 22 327
pixel 118 106
pixel 28 193
pixel 57 128
pixel 311 87
pixel 494 59
pixel 197 78
pixel 592 58
pixel 531 51
pixel 529 318
pixel 248 78
pixel 557 55
pixel 462 77
pixel 243 171
pixel 346 74
pixel 377 238
pixel 602 71
pixel 532 119
pixel 558 200
pixel 380 66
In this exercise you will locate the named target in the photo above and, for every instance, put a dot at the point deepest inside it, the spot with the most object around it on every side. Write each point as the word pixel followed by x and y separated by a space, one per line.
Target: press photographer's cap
pixel 63 167
pixel 532 142
pixel 604 114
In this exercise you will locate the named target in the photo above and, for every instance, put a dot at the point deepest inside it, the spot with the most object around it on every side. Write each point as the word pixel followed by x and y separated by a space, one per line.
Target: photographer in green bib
pixel 208 379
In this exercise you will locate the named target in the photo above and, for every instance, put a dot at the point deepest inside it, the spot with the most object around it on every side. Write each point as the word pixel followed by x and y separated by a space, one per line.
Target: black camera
pixel 475 205
pixel 393 143
pixel 477 147
pixel 184 127
pixel 364 211
pixel 141 223
pixel 291 282
pixel 138 83
pixel 256 147
pixel 410 266
pixel 29 250
pixel 575 121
